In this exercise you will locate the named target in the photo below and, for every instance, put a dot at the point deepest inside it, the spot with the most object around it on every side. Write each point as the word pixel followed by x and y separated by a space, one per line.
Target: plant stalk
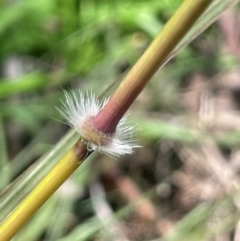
pixel 107 119
pixel 45 188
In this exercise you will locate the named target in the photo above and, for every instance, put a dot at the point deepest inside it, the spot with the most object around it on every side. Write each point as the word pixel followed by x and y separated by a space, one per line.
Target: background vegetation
pixel 184 183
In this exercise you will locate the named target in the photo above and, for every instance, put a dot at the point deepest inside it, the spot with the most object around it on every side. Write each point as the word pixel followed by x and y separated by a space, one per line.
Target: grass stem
pixel 45 188
pixel 155 55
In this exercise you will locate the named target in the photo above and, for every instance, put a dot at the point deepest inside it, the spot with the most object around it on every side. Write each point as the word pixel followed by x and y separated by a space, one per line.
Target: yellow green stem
pixel 156 54
pixel 45 188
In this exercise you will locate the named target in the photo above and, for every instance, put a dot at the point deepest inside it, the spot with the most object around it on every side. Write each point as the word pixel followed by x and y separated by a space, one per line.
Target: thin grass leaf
pixel 212 14
pixel 4 163
pixel 11 197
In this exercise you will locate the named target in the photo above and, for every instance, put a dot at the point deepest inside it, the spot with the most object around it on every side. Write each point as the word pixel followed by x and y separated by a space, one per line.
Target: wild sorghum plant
pixel 102 124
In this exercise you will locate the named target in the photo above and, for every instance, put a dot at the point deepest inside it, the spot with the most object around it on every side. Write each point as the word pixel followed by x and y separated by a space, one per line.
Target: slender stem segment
pixel 187 14
pixel 49 184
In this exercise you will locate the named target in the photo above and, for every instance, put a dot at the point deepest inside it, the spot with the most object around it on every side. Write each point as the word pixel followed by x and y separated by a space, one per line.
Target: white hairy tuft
pixel 79 108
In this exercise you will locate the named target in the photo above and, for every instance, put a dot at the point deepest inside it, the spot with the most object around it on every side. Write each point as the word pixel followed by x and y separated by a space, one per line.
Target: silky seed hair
pixel 79 110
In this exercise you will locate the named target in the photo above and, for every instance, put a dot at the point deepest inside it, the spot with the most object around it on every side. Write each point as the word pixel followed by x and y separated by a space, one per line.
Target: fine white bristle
pixel 77 108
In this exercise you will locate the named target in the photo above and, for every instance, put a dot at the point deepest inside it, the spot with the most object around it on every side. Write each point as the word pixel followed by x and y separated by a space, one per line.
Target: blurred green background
pixel 179 186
